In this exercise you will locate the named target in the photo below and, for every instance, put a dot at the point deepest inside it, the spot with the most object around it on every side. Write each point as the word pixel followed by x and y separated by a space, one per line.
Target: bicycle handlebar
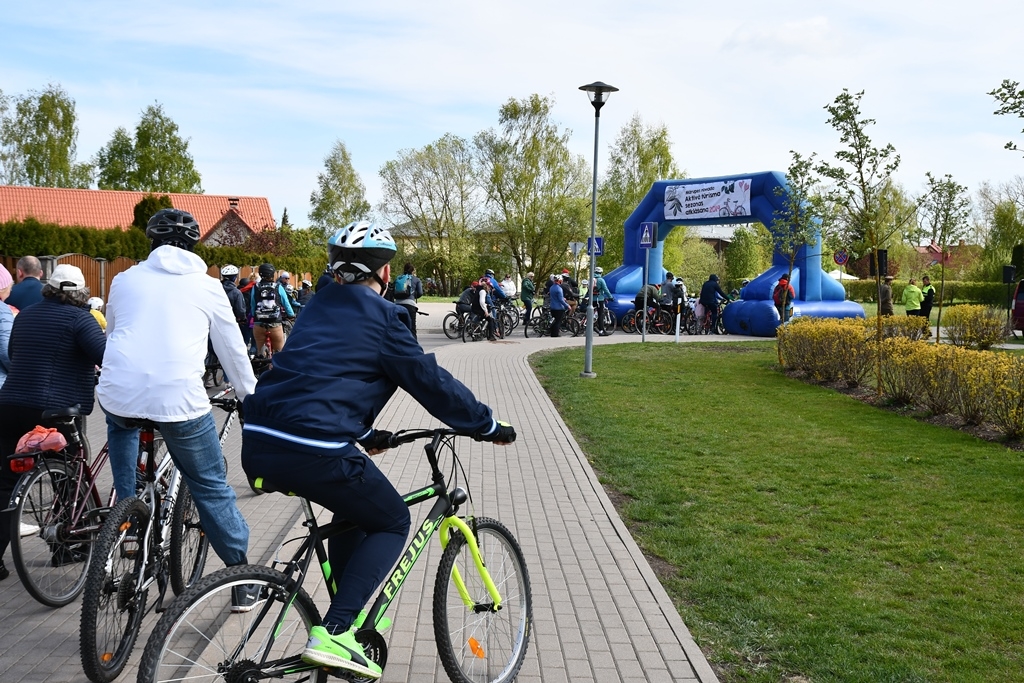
pixel 409 435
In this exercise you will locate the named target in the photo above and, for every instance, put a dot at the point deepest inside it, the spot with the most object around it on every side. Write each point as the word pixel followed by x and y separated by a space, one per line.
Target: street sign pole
pixel 647 232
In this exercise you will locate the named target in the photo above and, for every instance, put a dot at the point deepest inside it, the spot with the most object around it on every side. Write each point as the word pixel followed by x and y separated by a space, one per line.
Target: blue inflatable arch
pixel 728 200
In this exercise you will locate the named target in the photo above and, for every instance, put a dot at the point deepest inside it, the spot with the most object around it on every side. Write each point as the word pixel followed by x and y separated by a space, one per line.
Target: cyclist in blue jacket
pixel 320 400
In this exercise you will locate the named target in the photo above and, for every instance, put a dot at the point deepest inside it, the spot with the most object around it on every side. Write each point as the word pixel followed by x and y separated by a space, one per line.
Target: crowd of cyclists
pixel 308 423
pixel 560 297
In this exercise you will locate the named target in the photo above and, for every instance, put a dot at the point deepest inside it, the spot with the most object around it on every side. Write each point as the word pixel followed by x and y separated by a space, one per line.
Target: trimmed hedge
pixel 18 238
pixel 976 386
pixel 987 293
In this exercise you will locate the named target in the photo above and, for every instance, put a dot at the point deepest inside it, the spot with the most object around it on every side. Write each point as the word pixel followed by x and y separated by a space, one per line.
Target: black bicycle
pixel 154 539
pixel 482 603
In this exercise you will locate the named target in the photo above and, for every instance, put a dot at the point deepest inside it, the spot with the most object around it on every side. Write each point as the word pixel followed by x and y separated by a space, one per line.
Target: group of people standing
pixel 917 301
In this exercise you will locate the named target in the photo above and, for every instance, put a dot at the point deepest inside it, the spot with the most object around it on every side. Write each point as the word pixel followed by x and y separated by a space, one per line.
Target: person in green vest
pixel 912 298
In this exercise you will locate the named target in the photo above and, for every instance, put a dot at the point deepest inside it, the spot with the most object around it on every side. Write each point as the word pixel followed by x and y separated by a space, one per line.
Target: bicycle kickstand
pixel 161 582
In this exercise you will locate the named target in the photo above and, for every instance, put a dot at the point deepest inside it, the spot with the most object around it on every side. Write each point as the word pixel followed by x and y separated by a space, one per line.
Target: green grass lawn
pixel 810 536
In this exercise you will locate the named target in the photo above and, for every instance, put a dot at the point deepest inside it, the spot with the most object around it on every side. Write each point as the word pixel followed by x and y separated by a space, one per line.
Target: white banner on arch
pixel 721 199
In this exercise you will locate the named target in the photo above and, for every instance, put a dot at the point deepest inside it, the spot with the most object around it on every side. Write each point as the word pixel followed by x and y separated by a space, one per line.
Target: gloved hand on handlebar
pixel 504 433
pixel 376 441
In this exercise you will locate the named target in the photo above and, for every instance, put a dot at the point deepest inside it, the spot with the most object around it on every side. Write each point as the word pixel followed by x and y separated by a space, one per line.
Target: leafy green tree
pixel 38 141
pixel 285 223
pixel 340 197
pixel 538 192
pixel 432 199
pixel 115 163
pixel 866 208
pixel 1010 97
pixel 148 206
pixel 798 223
pixel 862 175
pixel 749 253
pixel 640 156
pixel 156 160
pixel 945 209
pixel 696 258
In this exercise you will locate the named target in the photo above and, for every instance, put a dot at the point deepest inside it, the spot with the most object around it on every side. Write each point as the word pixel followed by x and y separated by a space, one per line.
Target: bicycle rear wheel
pixel 629 323
pixel 113 606
pixel 451 326
pixel 479 643
pixel 189 544
pixel 51 560
pixel 200 638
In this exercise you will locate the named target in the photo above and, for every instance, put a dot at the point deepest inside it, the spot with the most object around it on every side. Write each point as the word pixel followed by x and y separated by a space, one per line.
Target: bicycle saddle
pixel 70 411
pixel 140 423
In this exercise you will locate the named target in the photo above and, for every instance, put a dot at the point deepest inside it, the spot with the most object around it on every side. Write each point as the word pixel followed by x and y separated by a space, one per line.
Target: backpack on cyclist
pixel 267 308
pixel 402 285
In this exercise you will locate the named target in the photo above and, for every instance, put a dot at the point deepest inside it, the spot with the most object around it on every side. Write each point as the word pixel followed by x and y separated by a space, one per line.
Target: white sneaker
pixel 28 530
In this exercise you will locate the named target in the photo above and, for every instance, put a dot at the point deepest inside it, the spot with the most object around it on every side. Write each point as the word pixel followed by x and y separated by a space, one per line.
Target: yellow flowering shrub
pixel 827 349
pixel 945 379
pixel 909 326
pixel 974 327
pixel 933 365
pixel 899 380
pixel 1007 399
pixel 972 380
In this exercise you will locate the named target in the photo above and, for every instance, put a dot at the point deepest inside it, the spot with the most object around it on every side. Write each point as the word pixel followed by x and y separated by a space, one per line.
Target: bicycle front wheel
pixel 49 552
pixel 189 544
pixel 477 643
pixel 113 605
pixel 200 638
pixel 451 326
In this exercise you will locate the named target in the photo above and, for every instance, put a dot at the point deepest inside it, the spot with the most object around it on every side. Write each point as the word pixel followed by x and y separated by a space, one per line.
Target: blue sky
pixel 264 88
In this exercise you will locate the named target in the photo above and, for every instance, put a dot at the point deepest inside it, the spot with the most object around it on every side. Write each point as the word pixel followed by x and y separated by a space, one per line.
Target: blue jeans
pixel 195 450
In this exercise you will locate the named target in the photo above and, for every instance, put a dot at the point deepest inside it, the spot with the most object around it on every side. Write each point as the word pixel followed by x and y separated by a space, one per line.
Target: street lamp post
pixel 598 93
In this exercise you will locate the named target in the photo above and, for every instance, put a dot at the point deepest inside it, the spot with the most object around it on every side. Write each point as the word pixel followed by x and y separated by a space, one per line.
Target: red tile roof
pixel 110 209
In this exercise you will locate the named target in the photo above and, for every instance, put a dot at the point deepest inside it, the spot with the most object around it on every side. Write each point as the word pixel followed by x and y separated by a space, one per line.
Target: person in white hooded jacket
pixel 160 315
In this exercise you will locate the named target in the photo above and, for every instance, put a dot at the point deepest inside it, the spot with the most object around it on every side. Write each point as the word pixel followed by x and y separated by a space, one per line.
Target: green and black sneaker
pixel 341 651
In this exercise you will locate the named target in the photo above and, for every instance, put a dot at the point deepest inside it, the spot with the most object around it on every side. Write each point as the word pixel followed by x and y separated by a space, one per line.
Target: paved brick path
pixel 600 613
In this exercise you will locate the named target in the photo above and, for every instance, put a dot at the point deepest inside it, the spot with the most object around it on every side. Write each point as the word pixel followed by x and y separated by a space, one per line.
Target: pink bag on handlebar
pixel 41 439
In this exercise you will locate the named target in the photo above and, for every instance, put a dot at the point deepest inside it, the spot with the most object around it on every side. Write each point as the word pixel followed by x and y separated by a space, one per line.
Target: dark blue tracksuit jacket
pixel 348 353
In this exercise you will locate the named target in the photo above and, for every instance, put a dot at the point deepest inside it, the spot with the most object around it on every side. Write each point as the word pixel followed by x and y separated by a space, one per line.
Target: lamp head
pixel 598 93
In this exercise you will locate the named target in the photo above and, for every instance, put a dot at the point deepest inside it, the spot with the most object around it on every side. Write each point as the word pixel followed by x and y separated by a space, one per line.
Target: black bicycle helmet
pixel 359 250
pixel 174 227
pixel 266 271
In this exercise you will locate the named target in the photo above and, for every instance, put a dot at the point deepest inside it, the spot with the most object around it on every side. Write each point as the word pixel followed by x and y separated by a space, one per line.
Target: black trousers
pixel 556 325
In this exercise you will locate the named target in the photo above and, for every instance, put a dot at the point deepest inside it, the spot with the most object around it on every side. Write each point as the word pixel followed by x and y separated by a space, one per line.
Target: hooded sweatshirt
pixel 160 315
pixel 912 298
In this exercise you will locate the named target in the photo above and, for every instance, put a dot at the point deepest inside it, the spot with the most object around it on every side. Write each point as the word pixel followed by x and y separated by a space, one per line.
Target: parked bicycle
pixel 453 323
pixel 152 539
pixel 57 512
pixel 482 601
pixel 540 325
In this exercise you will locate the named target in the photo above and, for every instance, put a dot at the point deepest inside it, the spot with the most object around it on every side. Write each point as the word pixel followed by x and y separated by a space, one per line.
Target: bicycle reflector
pixel 23 464
pixel 474 646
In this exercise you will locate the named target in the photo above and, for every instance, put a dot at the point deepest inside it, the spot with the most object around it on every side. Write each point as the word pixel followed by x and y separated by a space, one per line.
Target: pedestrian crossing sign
pixel 647 231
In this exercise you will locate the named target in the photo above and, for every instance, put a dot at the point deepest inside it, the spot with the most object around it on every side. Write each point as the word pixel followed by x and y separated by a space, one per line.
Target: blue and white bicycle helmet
pixel 359 249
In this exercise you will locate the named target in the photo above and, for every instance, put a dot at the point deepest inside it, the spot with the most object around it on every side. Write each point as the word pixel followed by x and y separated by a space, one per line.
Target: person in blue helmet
pixel 317 405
